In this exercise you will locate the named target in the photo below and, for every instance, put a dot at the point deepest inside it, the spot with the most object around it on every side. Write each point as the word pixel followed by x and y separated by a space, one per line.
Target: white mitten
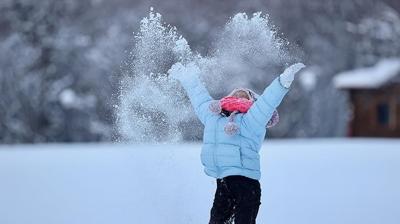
pixel 182 49
pixel 287 77
pixel 184 73
pixel 176 71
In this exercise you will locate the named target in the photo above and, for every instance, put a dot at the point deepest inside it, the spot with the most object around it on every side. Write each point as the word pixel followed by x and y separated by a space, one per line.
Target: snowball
pixel 68 98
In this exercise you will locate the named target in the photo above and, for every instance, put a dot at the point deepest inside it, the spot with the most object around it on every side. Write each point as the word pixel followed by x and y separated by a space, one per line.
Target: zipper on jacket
pixel 216 147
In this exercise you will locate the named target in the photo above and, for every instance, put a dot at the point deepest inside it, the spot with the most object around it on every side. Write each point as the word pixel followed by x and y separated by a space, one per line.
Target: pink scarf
pixel 231 103
pixel 237 105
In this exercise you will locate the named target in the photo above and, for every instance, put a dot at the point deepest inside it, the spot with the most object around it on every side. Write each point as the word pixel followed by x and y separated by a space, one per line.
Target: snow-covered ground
pixel 323 181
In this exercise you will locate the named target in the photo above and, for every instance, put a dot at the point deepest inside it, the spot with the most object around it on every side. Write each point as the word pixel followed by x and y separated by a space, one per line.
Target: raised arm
pixel 199 97
pixel 261 111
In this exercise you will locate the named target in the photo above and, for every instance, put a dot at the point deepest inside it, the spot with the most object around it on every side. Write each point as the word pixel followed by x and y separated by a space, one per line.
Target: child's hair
pixel 242 94
pixel 251 95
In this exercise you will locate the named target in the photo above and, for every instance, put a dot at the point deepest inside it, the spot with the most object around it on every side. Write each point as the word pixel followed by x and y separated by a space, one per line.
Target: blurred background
pixel 60 63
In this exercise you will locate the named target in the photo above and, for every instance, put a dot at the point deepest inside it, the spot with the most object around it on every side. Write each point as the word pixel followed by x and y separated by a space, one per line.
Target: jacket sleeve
pixel 261 111
pixel 199 97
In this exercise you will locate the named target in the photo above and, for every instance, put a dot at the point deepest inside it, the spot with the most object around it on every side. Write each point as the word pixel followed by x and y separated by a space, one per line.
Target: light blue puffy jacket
pixel 223 155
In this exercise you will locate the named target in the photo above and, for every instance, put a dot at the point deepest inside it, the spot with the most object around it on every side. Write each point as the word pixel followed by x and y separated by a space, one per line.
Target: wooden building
pixel 375 99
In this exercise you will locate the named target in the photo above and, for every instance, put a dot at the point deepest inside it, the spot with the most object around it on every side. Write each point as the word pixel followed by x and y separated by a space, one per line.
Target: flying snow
pixel 153 108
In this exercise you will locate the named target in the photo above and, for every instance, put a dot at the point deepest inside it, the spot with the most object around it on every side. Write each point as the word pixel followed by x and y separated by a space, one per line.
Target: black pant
pixel 237 199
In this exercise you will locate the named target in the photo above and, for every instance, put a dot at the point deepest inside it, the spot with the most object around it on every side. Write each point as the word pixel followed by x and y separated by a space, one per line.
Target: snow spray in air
pixel 153 108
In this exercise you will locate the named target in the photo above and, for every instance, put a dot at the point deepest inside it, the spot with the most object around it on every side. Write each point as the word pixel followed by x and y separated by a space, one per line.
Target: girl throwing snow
pixel 234 130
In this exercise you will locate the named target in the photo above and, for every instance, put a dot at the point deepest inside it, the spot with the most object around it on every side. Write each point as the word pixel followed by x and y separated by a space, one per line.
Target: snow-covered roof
pixel 368 77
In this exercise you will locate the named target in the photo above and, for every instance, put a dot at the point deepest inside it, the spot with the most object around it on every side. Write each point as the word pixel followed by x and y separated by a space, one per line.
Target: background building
pixel 374 99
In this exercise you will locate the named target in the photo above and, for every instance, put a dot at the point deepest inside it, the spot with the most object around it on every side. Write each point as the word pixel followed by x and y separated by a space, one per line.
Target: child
pixel 234 130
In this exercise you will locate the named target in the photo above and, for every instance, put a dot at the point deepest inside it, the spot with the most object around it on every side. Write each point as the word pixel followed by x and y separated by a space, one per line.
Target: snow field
pixel 303 181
